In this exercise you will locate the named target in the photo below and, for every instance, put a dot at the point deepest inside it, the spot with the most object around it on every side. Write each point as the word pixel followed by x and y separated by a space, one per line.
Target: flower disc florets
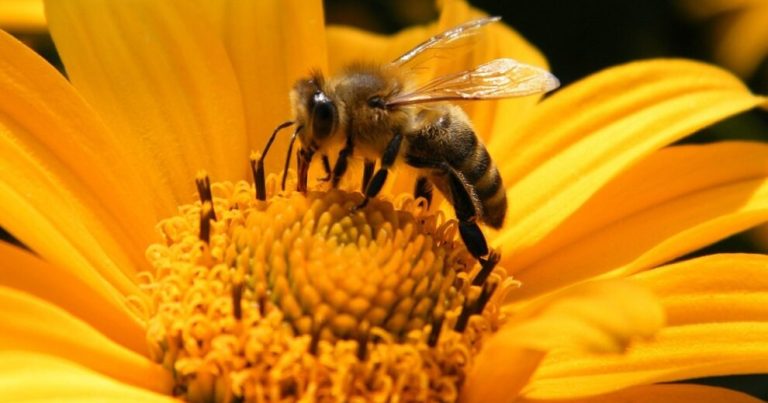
pixel 302 295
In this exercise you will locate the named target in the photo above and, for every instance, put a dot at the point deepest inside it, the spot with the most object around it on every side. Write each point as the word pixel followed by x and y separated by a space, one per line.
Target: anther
pixel 204 190
pixel 434 333
pixel 486 267
pixel 206 215
pixel 257 169
pixel 237 298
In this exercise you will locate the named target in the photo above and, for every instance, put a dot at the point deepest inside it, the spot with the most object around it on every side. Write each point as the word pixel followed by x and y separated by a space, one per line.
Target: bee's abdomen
pixel 481 173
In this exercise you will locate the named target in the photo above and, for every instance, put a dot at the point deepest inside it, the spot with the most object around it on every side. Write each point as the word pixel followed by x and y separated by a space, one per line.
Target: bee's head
pixel 315 110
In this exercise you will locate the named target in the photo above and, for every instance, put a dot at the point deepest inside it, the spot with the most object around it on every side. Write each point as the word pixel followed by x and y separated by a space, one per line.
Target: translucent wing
pixel 500 78
pixel 448 41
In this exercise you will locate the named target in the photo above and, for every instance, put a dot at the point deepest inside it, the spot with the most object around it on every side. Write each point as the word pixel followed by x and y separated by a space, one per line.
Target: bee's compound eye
pixel 323 115
pixel 377 102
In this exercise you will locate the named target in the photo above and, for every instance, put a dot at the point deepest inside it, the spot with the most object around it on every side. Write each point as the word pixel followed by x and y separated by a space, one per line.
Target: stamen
pixel 204 190
pixel 206 216
pixel 257 169
pixel 315 340
pixel 362 341
pixel 237 298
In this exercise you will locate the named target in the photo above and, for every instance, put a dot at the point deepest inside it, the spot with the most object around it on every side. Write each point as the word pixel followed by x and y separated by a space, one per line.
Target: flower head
pixel 138 290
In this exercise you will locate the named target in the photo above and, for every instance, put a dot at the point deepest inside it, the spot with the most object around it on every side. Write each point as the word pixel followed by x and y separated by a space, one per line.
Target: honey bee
pixel 378 113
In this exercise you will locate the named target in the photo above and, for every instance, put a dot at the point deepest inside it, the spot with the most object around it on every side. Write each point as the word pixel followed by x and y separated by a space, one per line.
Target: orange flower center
pixel 299 295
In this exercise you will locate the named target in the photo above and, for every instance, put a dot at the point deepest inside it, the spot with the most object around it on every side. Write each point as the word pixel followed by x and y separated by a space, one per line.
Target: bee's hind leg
pixel 467 207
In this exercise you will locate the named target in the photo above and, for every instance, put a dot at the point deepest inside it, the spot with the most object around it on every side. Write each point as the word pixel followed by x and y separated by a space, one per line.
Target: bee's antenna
pixel 288 156
pixel 257 167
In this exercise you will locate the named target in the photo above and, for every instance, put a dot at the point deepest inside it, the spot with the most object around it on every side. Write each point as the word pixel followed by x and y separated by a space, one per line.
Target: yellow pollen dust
pixel 304 298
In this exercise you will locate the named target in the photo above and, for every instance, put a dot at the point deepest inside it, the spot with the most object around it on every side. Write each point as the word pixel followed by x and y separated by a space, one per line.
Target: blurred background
pixel 579 38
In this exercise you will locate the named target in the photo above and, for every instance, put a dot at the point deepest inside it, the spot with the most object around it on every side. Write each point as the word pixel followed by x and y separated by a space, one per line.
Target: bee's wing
pixel 500 78
pixel 448 41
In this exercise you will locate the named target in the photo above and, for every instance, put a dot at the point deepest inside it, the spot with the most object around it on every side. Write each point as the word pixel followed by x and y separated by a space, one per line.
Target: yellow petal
pixel 741 39
pixel 675 201
pixel 67 241
pixel 30 324
pixel 347 45
pixel 159 78
pixel 717 288
pixel 29 377
pixel 105 311
pixel 718 326
pixel 681 393
pixel 271 44
pixel 500 362
pixel 599 316
pixel 585 134
pixel 62 186
pixel 676 353
pixel 55 197
pixel 22 15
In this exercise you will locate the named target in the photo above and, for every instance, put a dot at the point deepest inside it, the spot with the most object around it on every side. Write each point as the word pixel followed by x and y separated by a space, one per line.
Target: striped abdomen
pixel 472 160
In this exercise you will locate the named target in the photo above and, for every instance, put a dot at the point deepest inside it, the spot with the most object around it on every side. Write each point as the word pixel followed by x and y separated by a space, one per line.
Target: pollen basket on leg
pixel 301 295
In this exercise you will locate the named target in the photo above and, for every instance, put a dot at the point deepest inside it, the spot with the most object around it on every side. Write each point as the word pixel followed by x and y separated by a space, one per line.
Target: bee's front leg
pixel 327 169
pixel 303 159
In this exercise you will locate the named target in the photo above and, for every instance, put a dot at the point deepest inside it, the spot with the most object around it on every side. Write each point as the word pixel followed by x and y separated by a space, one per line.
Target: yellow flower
pixel 138 292
pixel 740 40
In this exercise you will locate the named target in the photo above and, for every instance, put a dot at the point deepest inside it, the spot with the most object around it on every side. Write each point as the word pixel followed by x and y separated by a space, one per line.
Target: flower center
pixel 302 295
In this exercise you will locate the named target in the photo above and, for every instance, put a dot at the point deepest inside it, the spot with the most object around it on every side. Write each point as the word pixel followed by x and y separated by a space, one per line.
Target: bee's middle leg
pixel 368 173
pixel 340 168
pixel 387 159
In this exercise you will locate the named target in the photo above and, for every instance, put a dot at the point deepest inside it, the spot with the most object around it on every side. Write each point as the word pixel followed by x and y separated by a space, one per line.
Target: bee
pixel 377 112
